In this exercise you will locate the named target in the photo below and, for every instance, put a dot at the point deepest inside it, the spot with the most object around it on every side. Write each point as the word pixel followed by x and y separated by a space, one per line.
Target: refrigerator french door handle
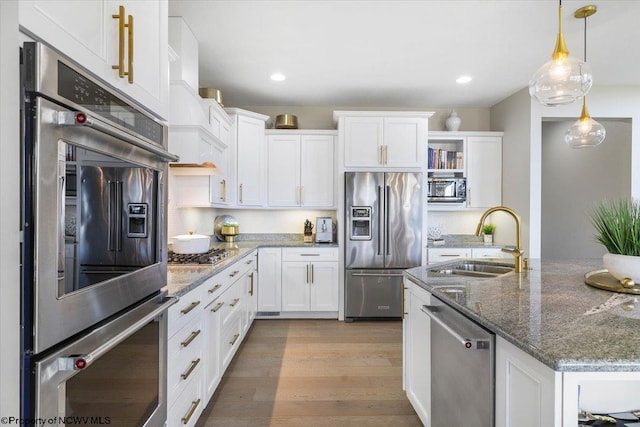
pixel 62 167
pixel 119 215
pixel 380 216
pixel 386 216
pixel 111 215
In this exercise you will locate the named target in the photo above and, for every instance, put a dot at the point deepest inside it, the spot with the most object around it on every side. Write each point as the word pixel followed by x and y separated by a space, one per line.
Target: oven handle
pixel 110 130
pixel 61 218
pixel 84 361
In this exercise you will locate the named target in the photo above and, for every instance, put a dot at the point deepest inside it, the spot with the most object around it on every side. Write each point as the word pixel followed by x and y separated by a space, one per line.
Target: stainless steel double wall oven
pixel 94 251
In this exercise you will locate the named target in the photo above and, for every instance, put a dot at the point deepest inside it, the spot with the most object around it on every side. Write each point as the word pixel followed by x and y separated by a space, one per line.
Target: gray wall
pixel 573 180
pixel 322 117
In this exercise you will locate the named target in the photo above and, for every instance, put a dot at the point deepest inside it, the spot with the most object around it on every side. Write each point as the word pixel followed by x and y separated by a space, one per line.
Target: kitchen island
pixel 558 340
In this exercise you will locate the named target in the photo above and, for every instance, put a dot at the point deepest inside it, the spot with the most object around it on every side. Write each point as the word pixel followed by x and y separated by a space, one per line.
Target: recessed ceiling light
pixel 463 79
pixel 278 77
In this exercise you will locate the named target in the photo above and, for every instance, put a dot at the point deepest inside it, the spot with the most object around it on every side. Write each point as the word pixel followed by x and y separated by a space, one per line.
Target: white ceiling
pixel 399 54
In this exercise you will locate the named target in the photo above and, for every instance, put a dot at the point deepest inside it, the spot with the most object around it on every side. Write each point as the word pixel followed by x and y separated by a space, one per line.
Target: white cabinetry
pixel 383 138
pixel 270 278
pixel 484 171
pixel 310 279
pixel 475 155
pixel 489 253
pixel 300 168
pixel 205 330
pixel 88 34
pixel 525 389
pixel 248 139
pixel 446 254
pixel 417 350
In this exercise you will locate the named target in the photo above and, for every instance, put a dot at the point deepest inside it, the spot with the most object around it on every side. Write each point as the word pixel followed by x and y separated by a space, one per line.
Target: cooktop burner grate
pixel 211 257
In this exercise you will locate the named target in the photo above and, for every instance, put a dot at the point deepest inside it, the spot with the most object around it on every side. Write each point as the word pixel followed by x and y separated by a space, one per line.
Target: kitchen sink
pixel 472 268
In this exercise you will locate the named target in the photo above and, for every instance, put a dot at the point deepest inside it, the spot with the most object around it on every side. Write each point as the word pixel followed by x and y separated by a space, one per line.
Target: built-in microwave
pixel 446 189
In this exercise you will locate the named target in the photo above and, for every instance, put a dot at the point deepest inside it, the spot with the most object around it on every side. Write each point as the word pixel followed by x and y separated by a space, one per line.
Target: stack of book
pixel 444 159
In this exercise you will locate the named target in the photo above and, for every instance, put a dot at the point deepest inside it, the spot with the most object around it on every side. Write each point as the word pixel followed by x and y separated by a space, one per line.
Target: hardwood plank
pixel 314 373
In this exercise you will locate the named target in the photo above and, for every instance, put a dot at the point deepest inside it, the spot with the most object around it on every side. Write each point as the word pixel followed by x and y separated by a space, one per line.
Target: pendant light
pixel 585 132
pixel 563 79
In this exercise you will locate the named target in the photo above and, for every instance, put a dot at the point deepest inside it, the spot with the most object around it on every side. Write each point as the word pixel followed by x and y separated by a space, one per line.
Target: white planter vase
pixel 488 238
pixel 623 266
pixel 453 122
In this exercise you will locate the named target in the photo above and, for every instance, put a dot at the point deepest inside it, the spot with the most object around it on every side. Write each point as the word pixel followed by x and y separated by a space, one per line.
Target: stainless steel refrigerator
pixel 384 237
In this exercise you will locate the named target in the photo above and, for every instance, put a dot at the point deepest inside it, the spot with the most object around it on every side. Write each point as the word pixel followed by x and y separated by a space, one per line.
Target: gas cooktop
pixel 212 257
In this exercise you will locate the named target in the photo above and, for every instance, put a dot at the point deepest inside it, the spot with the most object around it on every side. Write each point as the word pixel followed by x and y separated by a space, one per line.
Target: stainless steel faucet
pixel 517 252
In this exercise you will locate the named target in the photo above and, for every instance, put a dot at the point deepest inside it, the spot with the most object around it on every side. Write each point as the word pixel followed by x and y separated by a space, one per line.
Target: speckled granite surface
pixel 550 313
pixel 183 278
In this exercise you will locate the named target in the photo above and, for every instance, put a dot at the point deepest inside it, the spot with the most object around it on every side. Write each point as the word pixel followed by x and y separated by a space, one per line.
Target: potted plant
pixel 618 227
pixel 308 231
pixel 487 231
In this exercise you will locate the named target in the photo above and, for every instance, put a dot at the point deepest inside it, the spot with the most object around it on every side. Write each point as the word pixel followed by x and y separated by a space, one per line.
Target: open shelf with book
pixel 446 155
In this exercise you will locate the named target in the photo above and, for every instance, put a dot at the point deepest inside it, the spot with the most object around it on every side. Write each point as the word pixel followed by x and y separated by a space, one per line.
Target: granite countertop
pixel 550 313
pixel 183 278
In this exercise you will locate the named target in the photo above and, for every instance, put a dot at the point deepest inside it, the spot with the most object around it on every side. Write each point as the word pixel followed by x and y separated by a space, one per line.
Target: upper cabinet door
pixel 86 32
pixel 283 170
pixel 405 141
pixel 250 141
pixel 484 171
pixel 363 140
pixel 317 171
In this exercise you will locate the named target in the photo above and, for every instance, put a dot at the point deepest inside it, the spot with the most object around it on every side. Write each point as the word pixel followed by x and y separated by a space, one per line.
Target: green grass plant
pixel 488 229
pixel 618 226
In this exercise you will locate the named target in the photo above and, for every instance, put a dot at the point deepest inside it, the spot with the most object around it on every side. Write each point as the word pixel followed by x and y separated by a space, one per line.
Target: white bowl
pixel 191 244
pixel 623 266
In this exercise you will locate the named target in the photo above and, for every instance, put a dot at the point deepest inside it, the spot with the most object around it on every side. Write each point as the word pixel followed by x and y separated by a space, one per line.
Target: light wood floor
pixel 314 373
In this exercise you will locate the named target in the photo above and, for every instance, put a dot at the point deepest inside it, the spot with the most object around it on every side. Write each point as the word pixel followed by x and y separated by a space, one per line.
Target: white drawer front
pixel 187 408
pixel 184 358
pixel 310 254
pixel 188 308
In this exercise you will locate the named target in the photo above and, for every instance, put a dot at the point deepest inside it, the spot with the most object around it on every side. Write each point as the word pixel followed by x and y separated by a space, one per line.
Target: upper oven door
pixel 98 249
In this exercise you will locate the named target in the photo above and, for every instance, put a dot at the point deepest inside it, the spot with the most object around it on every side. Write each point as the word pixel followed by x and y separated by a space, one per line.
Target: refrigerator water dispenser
pixel 360 223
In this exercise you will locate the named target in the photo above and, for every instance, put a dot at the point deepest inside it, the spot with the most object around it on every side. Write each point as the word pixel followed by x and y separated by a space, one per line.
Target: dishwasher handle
pixel 468 343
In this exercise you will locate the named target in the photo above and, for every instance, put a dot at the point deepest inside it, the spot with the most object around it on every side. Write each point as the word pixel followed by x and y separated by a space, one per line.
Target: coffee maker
pixel 324 229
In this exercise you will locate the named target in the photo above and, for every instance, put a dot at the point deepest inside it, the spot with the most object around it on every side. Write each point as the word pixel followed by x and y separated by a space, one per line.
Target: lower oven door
pixel 115 374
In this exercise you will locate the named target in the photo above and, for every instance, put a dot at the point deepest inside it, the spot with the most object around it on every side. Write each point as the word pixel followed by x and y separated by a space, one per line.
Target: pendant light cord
pixel 585 39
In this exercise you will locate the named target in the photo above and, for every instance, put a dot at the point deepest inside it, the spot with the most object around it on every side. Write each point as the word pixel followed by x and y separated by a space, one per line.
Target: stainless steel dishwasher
pixel 462 369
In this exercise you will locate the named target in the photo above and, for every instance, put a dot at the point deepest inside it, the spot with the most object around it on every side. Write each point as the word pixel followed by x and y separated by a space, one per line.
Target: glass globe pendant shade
pixel 585 132
pixel 563 79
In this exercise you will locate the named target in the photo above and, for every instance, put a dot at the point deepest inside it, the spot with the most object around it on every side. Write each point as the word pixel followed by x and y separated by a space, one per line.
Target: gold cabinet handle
pixel 234 273
pixel 192 337
pixel 249 262
pixel 192 410
pixel 240 193
pixel 193 365
pixel 312 279
pixel 386 154
pixel 235 301
pixel 307 274
pixel 251 289
pixel 301 195
pixel 129 72
pixel 224 190
pixel 234 339
pixel 121 25
pixel 191 307
pixel 403 293
pixel 380 159
pixel 468 196
pixel 215 288
pixel 217 307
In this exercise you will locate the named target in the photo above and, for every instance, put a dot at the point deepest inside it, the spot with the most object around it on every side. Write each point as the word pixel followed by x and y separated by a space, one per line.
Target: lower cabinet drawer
pixel 230 338
pixel 185 358
pixel 186 410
